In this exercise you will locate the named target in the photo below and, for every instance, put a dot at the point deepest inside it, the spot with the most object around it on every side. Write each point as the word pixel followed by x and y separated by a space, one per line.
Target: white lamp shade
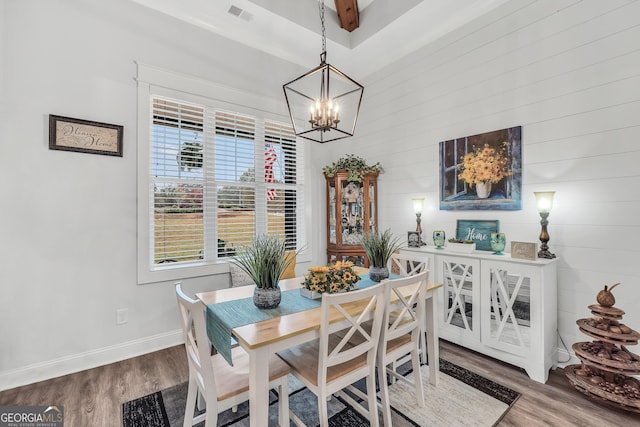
pixel 418 205
pixel 544 200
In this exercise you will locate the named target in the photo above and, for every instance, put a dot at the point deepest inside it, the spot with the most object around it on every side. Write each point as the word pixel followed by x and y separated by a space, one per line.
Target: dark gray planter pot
pixel 267 298
pixel 378 274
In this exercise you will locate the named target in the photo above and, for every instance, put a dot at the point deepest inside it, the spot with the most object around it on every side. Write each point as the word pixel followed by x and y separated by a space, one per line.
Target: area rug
pixel 461 398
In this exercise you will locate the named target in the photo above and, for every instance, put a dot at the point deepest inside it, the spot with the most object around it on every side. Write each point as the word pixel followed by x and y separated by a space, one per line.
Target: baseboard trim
pixel 88 360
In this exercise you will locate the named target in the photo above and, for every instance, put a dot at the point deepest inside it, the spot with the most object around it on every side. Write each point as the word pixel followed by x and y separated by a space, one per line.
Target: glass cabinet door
pixel 352 211
pixel 506 306
pixel 372 205
pixel 331 214
pixel 461 285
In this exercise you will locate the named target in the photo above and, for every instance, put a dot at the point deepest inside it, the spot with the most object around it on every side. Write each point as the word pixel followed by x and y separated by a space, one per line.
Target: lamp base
pixel 546 254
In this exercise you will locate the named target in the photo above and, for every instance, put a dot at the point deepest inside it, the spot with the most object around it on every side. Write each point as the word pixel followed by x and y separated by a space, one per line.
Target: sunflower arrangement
pixel 331 278
pixel 485 164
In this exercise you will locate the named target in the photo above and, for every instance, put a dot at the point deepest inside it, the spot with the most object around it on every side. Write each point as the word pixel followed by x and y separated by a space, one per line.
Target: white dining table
pixel 263 339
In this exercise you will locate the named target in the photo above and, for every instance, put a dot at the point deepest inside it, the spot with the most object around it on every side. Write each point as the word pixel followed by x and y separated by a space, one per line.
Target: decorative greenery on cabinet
pixel 356 166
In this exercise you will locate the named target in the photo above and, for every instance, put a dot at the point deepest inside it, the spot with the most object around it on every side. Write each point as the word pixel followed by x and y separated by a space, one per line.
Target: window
pixel 216 179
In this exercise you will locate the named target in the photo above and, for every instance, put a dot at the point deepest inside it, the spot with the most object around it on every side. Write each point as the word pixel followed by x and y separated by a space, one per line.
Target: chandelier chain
pixel 324 37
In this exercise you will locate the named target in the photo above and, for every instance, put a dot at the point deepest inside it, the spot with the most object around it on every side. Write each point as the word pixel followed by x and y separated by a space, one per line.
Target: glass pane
pixel 352 212
pixel 458 290
pixel 355 259
pixel 510 308
pixel 236 217
pixel 178 223
pixel 332 213
pixel 372 206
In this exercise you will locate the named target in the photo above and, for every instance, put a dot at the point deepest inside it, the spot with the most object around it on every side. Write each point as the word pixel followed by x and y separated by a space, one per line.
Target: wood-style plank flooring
pixel 94 397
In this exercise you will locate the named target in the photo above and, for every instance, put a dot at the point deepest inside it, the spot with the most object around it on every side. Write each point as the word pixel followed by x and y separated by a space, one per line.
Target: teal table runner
pixel 222 317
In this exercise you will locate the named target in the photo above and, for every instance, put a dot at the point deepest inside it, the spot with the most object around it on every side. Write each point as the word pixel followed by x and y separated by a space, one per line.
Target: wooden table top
pixel 278 328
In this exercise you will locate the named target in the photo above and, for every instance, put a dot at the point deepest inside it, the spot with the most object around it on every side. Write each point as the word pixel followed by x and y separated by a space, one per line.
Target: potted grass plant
pixel 264 261
pixel 379 247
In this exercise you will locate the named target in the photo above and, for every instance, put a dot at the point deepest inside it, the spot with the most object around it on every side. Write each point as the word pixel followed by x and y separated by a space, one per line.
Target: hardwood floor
pixel 94 397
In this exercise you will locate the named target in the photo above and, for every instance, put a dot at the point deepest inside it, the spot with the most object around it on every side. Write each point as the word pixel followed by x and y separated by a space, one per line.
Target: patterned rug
pixel 461 398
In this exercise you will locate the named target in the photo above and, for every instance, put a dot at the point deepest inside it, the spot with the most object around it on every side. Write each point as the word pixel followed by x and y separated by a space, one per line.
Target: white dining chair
pixel 401 334
pixel 221 385
pixel 409 264
pixel 330 363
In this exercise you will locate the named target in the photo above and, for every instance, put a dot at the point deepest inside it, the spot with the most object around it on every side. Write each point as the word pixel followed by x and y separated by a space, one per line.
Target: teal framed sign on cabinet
pixel 477 230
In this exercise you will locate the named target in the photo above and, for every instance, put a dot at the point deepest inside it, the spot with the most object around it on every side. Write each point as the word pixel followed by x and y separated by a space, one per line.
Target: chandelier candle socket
pixel 324 115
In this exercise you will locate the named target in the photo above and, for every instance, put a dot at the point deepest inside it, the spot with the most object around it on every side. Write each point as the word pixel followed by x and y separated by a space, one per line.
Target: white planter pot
pixel 461 247
pixel 310 294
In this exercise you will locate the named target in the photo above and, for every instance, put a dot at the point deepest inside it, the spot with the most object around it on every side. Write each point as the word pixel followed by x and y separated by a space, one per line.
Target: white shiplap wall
pixel 568 72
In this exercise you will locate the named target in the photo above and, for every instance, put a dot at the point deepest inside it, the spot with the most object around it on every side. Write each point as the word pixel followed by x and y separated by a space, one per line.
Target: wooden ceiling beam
pixel 348 14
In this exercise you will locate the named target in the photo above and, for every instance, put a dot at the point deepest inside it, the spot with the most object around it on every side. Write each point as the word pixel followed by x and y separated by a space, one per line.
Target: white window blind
pixel 217 179
pixel 280 177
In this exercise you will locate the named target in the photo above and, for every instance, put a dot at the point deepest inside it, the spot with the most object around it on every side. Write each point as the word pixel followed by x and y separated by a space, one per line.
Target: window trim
pixel 152 81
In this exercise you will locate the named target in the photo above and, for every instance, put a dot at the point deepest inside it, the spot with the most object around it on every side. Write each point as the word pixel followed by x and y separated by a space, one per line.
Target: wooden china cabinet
pixel 351 211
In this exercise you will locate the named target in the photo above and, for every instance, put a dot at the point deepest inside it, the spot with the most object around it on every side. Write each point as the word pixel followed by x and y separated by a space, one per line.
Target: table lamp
pixel 544 201
pixel 418 204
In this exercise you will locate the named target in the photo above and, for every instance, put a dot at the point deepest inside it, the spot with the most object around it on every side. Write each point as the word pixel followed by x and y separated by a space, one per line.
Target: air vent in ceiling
pixel 235 10
pixel 240 13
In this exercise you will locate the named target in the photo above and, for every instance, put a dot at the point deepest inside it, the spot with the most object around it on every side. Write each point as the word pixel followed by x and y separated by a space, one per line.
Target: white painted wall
pixel 568 73
pixel 68 220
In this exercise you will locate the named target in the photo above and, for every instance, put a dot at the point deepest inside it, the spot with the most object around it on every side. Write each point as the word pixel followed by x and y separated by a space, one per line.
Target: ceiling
pixel 290 29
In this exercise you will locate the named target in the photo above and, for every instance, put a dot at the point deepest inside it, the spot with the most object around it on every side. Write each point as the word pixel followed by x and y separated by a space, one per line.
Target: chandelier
pixel 324 102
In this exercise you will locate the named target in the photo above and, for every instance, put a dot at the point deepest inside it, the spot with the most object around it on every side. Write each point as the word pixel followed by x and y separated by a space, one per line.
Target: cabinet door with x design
pixel 506 306
pixel 460 319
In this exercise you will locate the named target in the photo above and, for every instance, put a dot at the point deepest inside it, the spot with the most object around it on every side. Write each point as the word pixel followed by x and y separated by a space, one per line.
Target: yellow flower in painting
pixel 486 164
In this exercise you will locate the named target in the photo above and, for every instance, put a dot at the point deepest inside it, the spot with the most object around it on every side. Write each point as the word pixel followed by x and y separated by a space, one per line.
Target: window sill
pixel 169 272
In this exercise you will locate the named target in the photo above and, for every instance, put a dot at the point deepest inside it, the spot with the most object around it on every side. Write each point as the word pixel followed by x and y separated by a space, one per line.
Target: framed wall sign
pixel 477 230
pixel 84 136
pixel 524 250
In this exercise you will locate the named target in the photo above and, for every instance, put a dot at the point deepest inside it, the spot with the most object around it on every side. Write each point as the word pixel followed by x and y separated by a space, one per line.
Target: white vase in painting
pixel 483 189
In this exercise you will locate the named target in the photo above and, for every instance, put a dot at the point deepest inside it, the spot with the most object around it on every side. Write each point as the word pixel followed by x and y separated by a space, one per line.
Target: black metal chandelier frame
pixel 324 124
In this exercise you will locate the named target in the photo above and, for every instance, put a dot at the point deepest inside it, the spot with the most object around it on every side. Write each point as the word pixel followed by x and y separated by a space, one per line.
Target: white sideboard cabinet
pixel 500 306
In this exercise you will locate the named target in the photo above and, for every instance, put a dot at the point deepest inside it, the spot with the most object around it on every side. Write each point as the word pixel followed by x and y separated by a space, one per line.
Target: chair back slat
pixel 196 341
pixel 339 308
pixel 408 264
pixel 405 301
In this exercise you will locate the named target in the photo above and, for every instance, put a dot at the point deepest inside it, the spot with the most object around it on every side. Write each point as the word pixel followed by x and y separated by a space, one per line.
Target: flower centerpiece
pixel 485 166
pixel 329 279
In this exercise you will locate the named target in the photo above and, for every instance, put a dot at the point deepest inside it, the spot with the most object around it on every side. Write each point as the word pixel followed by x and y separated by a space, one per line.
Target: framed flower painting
pixel 482 172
